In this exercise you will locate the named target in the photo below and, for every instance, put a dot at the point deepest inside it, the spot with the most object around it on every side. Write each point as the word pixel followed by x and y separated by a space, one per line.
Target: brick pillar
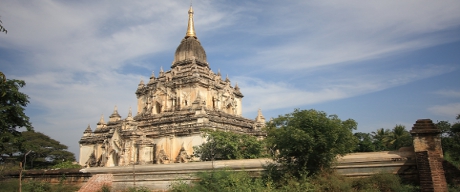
pixel 428 153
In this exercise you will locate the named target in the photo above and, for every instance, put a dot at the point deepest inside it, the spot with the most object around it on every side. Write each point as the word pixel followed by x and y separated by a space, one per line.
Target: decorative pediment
pixel 175 105
pixel 117 142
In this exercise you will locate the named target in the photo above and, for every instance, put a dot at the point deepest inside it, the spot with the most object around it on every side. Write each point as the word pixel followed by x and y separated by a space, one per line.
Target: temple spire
pixel 115 110
pixel 236 86
pixel 190 27
pixel 152 77
pixel 88 129
pixel 101 120
pixel 260 118
pixel 130 115
pixel 115 116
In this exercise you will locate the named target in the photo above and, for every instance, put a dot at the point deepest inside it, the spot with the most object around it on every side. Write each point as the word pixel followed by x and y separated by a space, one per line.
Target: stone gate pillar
pixel 429 157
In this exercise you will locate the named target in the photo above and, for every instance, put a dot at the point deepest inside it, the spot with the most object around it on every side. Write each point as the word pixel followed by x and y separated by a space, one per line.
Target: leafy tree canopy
pixel 228 145
pixel 309 140
pixel 42 151
pixel 384 139
pixel 451 140
pixel 365 142
pixel 12 115
pixel 381 137
pixel 399 137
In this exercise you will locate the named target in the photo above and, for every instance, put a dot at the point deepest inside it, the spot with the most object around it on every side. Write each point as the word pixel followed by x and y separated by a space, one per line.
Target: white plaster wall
pixel 140 104
pixel 148 154
pixel 239 107
pixel 85 152
pixel 172 145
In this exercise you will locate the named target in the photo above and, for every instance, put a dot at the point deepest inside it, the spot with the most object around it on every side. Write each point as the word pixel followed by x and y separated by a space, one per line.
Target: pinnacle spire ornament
pixel 190 27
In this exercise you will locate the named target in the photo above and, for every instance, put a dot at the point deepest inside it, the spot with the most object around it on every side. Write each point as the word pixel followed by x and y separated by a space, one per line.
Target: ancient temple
pixel 171 110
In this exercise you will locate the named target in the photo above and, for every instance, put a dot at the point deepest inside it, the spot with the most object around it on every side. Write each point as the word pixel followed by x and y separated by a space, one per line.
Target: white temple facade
pixel 171 110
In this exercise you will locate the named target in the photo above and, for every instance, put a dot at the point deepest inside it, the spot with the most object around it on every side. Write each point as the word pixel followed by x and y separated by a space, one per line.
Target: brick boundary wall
pixel 427 152
pixel 423 166
pixel 96 182
pixel 429 156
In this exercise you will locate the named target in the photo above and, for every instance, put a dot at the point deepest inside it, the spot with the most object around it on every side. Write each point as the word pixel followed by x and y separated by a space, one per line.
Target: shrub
pixel 226 180
pixel 36 186
pixel 309 140
pixel 179 186
pixel 228 145
pixel 9 185
pixel 382 182
pixel 331 181
pixel 290 183
pixel 105 188
pixel 221 180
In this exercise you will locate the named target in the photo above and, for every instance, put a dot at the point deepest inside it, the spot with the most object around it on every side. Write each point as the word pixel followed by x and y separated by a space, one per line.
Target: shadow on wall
pixel 452 173
pixel 408 171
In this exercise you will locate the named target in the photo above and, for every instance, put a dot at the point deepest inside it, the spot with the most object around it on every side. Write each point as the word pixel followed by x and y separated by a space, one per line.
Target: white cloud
pixel 73 52
pixel 331 32
pixel 93 37
pixel 270 95
pixel 68 106
pixel 449 93
pixel 448 110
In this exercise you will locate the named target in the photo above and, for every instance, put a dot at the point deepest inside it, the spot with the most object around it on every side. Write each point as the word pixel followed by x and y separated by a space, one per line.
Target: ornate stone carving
pixel 182 157
pixel 172 109
pixel 162 157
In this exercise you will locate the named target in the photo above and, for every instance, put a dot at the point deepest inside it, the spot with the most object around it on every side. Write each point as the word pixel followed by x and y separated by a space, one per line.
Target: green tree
pixel 451 140
pixel 44 151
pixel 381 137
pixel 444 126
pixel 399 137
pixel 12 115
pixel 222 181
pixel 309 140
pixel 228 145
pixel 365 142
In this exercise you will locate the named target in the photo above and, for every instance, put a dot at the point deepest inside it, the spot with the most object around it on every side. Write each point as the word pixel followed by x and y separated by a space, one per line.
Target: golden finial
pixel 191 27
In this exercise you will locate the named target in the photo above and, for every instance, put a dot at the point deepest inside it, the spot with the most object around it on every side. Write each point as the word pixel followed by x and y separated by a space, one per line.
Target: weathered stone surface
pixel 172 109
pixel 64 176
pixel 428 152
pixel 160 177
pixel 365 164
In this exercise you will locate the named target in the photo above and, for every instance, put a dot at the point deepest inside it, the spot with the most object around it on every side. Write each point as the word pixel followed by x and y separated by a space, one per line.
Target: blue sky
pixel 381 63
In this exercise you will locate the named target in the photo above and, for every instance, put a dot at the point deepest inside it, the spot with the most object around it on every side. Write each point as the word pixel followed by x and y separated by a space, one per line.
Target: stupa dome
pixel 190 48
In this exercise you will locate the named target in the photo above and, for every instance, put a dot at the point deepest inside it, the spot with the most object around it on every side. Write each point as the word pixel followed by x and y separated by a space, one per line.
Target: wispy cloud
pixel 448 110
pixel 449 93
pixel 332 32
pixel 73 54
pixel 278 95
